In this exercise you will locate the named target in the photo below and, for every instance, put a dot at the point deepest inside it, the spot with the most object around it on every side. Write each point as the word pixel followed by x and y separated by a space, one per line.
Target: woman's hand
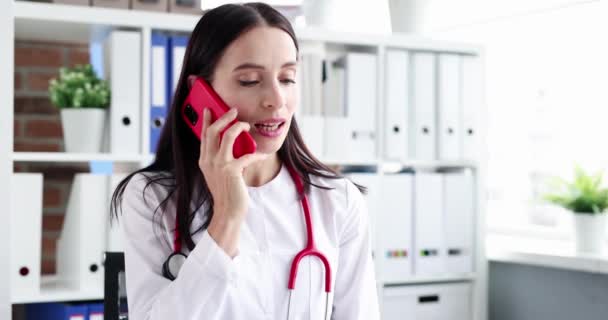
pixel 224 177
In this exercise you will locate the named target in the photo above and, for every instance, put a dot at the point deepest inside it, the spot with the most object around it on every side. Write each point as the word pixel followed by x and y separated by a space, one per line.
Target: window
pixel 547 99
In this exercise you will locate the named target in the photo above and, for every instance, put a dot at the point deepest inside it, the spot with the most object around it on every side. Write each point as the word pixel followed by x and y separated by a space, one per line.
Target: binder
pixel 185 6
pixel 333 89
pixel 311 128
pixel 459 221
pixel 428 302
pixel 159 91
pixel 150 5
pixel 337 141
pixel 428 224
pixel 26 221
pixel 120 4
pixel 177 45
pixel 316 85
pixel 114 240
pixel 123 70
pixel 95 311
pixel 83 237
pixel 397 105
pixel 361 106
pixel 449 109
pixel 371 181
pixel 56 311
pixel 423 109
pixel 472 100
pixel 395 220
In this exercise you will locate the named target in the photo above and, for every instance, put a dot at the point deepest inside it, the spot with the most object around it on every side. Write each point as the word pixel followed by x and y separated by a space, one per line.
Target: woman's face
pixel 256 75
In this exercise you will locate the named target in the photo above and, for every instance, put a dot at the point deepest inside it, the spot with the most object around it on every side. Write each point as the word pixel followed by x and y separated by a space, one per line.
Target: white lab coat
pixel 252 285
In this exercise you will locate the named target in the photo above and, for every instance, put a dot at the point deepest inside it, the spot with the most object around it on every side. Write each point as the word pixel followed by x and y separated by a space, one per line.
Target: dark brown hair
pixel 178 149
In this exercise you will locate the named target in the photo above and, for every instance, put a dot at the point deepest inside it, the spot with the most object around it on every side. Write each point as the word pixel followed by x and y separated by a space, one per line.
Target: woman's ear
pixel 191 79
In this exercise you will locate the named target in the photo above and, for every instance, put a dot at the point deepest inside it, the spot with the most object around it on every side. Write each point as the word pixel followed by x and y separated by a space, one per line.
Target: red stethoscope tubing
pixel 309 250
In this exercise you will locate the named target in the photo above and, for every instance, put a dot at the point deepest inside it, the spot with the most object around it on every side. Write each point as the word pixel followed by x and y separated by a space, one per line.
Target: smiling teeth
pixel 266 127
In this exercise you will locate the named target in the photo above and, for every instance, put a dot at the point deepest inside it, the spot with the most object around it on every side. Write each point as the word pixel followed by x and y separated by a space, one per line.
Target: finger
pixel 246 160
pixel 213 131
pixel 227 143
pixel 206 123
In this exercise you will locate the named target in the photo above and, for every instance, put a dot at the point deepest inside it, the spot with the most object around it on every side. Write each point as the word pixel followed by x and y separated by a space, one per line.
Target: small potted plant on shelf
pixel 587 199
pixel 83 99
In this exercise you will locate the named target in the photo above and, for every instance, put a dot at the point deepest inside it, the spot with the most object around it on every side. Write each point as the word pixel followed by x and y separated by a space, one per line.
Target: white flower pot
pixel 590 232
pixel 83 129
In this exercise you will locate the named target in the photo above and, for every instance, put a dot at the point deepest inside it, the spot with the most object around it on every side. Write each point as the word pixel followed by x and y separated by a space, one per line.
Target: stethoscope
pixel 174 262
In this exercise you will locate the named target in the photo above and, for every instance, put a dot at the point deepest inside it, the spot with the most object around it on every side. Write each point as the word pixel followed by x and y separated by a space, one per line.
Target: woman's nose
pixel 274 97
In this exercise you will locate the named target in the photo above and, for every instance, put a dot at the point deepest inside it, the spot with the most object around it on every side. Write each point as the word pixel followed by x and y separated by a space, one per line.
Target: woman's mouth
pixel 270 130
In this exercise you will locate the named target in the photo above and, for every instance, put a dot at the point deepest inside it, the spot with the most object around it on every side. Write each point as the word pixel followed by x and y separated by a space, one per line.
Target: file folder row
pixel 432 104
pixel 338 101
pixel 64 311
pixel 167 56
pixel 86 233
pixel 424 223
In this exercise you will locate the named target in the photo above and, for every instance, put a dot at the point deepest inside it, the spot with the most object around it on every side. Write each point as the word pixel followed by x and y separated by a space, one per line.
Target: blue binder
pixel 56 311
pixel 177 45
pixel 95 311
pixel 159 86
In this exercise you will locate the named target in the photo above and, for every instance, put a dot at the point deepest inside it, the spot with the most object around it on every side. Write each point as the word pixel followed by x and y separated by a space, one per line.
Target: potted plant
pixel 588 200
pixel 83 99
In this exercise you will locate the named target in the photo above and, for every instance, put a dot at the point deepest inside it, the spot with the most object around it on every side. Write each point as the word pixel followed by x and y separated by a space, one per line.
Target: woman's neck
pixel 261 172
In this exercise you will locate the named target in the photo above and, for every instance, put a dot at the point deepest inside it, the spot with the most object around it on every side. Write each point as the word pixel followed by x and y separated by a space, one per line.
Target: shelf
pixel 53 290
pixel 50 21
pixel 69 23
pixel 427 165
pixel 73 157
pixel 435 279
pixel 543 253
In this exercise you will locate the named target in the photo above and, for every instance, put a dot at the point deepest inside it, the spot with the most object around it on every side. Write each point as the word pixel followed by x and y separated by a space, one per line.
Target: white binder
pixel 114 241
pixel 472 98
pixel 83 237
pixel 449 109
pixel 123 70
pixel 459 221
pixel 311 128
pixel 337 142
pixel 397 105
pixel 361 106
pixel 451 301
pixel 395 228
pixel 26 223
pixel 428 217
pixel 371 181
pixel 423 134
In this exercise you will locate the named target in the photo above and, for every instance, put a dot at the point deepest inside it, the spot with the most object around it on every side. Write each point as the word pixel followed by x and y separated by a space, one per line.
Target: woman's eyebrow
pixel 249 65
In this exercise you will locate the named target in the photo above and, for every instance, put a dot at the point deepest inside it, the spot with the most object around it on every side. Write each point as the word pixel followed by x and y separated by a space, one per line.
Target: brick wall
pixel 38 128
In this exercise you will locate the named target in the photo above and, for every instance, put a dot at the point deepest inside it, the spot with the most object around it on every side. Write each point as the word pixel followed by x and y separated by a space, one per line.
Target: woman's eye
pixel 288 81
pixel 248 83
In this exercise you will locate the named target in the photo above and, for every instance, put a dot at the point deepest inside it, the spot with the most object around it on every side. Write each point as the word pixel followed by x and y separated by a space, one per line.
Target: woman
pixel 241 221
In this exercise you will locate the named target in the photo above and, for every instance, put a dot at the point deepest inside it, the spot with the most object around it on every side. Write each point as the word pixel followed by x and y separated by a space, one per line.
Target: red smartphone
pixel 203 96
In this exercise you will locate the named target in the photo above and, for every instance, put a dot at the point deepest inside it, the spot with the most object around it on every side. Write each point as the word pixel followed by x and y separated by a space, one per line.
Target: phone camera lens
pixel 191 114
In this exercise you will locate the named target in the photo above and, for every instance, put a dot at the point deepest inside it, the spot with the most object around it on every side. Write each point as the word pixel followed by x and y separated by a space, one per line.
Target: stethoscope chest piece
pixel 173 264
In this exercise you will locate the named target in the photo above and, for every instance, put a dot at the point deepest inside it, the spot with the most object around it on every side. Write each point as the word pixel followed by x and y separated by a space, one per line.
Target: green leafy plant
pixel 79 87
pixel 585 195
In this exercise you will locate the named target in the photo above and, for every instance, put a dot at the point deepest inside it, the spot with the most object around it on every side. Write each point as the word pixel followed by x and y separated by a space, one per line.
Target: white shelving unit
pixel 55 22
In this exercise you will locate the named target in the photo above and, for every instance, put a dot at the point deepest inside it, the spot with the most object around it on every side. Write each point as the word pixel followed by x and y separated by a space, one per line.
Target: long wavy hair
pixel 177 152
